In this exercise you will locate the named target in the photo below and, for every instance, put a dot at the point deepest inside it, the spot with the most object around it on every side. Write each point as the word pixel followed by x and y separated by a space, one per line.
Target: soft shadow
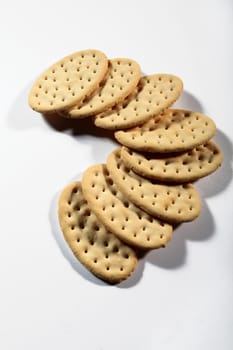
pixel 189 102
pixel 20 115
pixel 201 229
pixel 84 130
pixel 221 178
pixel 174 255
pixel 84 126
pixel 138 272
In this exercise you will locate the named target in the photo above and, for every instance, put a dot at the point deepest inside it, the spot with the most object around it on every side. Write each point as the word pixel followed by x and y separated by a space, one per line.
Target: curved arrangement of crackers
pixel 171 203
pixel 145 189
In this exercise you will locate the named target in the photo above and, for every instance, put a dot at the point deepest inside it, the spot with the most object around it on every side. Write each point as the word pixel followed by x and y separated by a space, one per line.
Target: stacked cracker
pixel 145 189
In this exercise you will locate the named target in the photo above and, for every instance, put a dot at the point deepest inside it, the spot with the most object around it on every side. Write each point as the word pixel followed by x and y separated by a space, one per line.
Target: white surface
pixel 180 297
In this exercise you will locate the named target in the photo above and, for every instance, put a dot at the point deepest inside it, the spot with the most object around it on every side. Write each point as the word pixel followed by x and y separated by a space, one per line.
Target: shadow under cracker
pixel 77 127
pixel 189 102
pixel 218 181
pixel 175 253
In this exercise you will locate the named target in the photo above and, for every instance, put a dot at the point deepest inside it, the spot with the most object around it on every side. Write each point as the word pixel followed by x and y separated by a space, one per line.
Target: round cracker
pixel 96 248
pixel 121 80
pixel 154 93
pixel 174 130
pixel 182 167
pixel 69 81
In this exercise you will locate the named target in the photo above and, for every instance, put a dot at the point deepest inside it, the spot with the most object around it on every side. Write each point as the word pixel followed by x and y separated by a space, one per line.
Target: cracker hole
pixel 115 249
pixel 81 225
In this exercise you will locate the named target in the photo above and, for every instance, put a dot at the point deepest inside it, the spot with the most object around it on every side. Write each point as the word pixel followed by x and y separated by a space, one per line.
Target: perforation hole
pixel 81 225
pixel 115 249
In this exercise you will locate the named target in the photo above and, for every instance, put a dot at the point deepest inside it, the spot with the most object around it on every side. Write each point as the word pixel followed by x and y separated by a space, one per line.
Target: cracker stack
pixel 145 189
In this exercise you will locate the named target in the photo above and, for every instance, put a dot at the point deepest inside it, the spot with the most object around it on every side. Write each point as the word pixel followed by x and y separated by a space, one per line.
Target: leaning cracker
pixel 154 93
pixel 119 215
pixel 121 80
pixel 98 250
pixel 173 130
pixel 171 203
pixel 181 167
pixel 68 81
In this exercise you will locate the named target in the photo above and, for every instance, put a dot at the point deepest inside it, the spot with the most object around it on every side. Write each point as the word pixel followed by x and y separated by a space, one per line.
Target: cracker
pixel 182 167
pixel 119 215
pixel 69 81
pixel 98 250
pixel 121 80
pixel 172 131
pixel 154 93
pixel 171 203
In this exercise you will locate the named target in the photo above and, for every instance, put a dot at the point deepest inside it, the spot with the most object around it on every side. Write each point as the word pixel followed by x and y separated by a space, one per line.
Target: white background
pixel 179 297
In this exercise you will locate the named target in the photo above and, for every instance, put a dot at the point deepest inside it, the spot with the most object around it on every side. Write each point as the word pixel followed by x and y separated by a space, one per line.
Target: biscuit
pixel 177 168
pixel 121 80
pixel 128 222
pixel 173 131
pixel 69 81
pixel 153 94
pixel 171 203
pixel 96 248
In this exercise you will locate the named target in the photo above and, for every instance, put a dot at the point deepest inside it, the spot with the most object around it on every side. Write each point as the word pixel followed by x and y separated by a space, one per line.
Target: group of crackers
pixel 145 189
